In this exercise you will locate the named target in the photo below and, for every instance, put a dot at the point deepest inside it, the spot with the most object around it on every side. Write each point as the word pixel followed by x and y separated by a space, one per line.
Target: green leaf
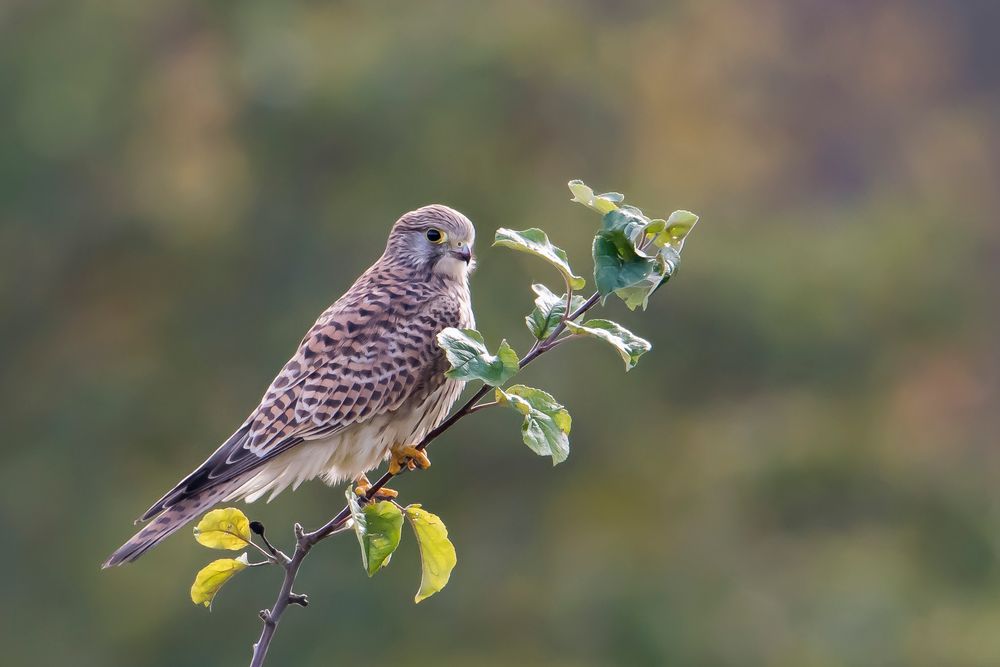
pixel 225 528
pixel 630 222
pixel 437 553
pixel 549 311
pixel 378 527
pixel 601 203
pixel 621 263
pixel 630 346
pixel 666 263
pixel 617 264
pixel 671 258
pixel 470 360
pixel 210 578
pixel 546 425
pixel 637 295
pixel 535 242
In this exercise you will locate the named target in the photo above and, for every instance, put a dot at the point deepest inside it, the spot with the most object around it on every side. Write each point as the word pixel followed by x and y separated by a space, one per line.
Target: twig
pixel 285 595
pixel 569 300
pixel 305 541
pixel 272 554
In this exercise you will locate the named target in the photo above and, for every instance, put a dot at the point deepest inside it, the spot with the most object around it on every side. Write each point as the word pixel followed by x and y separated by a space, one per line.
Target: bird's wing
pixel 356 362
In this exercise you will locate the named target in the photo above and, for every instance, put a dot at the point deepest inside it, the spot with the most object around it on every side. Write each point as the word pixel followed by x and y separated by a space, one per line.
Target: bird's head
pixel 434 239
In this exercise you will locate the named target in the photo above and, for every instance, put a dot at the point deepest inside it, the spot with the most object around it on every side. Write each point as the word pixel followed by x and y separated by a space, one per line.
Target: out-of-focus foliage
pixel 808 471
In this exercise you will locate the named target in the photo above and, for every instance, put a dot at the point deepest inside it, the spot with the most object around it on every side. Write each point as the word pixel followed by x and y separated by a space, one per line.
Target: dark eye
pixel 434 235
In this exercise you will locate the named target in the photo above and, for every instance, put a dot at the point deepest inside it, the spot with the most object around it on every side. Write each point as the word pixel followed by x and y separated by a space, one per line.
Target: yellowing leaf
pixel 225 528
pixel 582 194
pixel 679 225
pixel 437 553
pixel 656 226
pixel 605 203
pixel 210 578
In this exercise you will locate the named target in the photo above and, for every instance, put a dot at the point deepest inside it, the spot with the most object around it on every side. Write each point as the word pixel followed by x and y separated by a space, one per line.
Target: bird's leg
pixel 407 456
pixel 363 485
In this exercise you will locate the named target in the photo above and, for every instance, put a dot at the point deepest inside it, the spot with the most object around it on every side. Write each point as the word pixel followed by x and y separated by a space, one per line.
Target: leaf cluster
pixel 379 526
pixel 634 255
pixel 227 529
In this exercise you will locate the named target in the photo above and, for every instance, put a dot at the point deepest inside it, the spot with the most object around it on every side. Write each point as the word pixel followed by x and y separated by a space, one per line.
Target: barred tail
pixel 167 522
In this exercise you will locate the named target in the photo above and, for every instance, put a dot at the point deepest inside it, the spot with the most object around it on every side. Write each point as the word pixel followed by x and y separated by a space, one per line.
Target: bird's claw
pixel 363 486
pixel 408 457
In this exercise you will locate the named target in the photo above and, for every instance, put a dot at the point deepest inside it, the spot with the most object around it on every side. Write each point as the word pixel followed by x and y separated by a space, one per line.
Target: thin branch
pixel 271 558
pixel 285 595
pixel 305 541
pixel 559 341
pixel 273 615
pixel 257 528
pixel 270 553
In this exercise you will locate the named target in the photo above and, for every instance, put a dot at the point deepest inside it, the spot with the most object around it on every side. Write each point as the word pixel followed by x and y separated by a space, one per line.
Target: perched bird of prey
pixel 366 384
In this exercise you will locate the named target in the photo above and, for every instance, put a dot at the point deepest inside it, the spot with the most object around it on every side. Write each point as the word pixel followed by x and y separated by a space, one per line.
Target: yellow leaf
pixel 225 528
pixel 210 578
pixel 582 194
pixel 437 553
pixel 603 205
pixel 679 225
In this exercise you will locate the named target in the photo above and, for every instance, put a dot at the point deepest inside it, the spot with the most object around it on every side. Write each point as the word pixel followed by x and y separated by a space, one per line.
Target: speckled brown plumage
pixel 367 376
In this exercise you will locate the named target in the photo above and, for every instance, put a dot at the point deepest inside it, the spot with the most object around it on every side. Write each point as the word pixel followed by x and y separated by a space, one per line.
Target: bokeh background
pixel 803 472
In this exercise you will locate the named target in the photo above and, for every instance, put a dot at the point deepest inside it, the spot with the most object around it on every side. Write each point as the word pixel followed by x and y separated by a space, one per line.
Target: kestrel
pixel 365 385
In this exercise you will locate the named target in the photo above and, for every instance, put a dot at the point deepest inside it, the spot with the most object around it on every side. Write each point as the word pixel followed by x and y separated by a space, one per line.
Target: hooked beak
pixel 463 253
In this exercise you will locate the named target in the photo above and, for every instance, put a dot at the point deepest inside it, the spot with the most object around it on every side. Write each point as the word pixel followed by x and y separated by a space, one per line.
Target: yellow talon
pixel 408 456
pixel 363 486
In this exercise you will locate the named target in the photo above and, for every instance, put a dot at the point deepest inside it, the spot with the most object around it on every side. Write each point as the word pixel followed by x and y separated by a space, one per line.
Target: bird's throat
pixel 452 267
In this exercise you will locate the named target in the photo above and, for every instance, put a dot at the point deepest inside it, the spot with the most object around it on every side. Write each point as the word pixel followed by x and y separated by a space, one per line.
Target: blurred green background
pixel 803 471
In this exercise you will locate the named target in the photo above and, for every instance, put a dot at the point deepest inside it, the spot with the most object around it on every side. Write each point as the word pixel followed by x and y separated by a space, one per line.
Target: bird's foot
pixel 363 486
pixel 408 456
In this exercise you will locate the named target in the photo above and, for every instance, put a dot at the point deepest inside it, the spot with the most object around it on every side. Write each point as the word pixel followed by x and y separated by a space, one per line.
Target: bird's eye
pixel 435 235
